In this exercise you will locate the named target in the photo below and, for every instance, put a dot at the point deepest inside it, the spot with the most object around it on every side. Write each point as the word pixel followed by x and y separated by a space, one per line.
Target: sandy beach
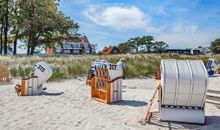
pixel 67 105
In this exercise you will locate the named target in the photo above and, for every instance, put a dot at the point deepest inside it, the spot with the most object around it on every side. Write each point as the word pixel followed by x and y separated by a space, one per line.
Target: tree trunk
pixel 148 49
pixel 28 50
pixel 6 30
pixel 30 43
pixel 33 46
pixel 15 43
pixel 61 46
pixel 32 49
pixel 28 46
pixel 1 32
pixel 34 40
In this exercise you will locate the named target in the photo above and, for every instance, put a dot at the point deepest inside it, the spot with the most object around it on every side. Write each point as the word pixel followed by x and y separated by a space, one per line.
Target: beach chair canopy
pixel 184 83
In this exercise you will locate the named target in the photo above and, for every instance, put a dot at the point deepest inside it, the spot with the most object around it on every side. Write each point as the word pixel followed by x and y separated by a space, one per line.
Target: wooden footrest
pixel 99 100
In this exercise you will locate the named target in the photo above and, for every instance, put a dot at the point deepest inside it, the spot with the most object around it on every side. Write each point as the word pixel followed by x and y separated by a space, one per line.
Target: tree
pixel 124 47
pixel 215 46
pixel 4 15
pixel 160 46
pixel 1 33
pixel 42 23
pixel 6 27
pixel 63 27
pixel 1 24
pixel 146 42
pixel 7 17
pixel 14 20
pixel 36 22
pixel 35 17
pixel 134 43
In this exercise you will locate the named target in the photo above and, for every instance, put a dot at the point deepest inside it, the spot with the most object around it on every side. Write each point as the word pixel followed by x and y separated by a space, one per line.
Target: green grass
pixel 66 67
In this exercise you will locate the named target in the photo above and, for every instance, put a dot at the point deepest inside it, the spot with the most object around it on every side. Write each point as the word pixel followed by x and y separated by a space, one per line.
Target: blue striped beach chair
pixel 210 64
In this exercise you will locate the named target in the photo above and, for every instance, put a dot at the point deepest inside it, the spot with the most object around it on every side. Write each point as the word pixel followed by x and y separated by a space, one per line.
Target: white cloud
pixel 181 34
pixel 186 35
pixel 118 17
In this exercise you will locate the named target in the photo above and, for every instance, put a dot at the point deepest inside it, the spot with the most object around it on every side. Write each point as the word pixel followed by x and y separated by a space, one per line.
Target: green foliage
pixel 159 46
pixel 145 43
pixel 14 71
pixel 20 70
pixel 124 47
pixel 215 46
pixel 43 24
pixel 36 22
pixel 59 72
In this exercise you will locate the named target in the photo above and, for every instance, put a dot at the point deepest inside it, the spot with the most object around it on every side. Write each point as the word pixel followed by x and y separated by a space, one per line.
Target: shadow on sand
pixel 212 123
pixel 132 103
pixel 51 94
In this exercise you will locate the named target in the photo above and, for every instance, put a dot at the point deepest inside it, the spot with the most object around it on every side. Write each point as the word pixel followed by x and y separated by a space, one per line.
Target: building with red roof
pixel 111 50
pixel 73 46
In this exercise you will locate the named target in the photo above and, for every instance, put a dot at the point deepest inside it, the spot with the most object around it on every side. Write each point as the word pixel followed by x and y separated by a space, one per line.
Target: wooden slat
pixel 100 90
pixel 108 92
pixel 93 87
pixel 23 87
pixel 100 100
pixel 148 112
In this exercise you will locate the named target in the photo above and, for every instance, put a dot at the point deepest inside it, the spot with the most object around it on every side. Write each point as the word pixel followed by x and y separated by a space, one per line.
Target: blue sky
pixel 180 23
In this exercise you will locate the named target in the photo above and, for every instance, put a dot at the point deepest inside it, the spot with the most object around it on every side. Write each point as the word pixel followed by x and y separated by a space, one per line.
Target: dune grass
pixel 66 67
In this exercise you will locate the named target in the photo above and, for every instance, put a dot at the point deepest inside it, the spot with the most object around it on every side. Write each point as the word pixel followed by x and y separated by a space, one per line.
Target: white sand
pixel 68 105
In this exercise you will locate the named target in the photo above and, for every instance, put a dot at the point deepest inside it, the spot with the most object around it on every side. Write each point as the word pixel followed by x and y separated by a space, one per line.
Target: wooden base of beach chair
pixel 101 94
pixel 20 88
pixel 28 87
pixel 88 82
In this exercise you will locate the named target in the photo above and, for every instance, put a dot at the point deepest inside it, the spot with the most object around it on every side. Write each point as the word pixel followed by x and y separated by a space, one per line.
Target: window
pixel 76 45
